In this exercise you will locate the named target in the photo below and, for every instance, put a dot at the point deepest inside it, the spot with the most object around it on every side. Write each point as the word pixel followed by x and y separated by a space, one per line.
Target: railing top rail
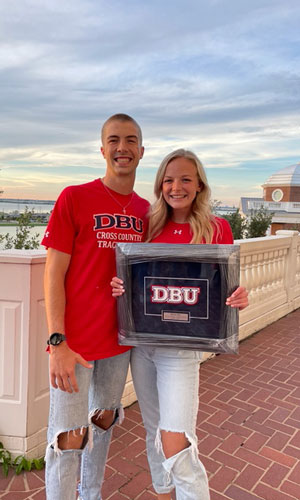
pixel 282 234
pixel 14 256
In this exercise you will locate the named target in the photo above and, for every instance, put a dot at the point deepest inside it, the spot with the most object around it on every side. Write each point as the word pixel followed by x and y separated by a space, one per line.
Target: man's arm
pixel 62 358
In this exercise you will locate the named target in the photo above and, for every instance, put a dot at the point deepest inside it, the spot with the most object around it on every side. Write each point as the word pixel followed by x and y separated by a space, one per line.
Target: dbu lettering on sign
pixel 174 295
pixel 176 299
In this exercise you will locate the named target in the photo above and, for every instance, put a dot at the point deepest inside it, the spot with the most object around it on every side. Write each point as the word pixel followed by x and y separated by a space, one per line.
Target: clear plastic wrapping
pixel 175 296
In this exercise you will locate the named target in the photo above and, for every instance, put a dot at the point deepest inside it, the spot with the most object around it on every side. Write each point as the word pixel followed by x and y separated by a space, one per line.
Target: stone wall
pixel 270 270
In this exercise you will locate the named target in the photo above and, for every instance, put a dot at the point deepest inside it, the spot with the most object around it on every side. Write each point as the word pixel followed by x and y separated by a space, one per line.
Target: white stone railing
pixel 282 206
pixel 24 390
pixel 270 270
pixel 24 385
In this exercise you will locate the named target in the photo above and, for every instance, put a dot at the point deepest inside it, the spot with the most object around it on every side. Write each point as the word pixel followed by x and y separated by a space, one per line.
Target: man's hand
pixel 62 367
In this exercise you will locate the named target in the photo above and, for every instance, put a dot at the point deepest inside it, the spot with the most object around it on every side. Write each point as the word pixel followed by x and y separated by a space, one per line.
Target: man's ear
pixel 102 151
pixel 142 152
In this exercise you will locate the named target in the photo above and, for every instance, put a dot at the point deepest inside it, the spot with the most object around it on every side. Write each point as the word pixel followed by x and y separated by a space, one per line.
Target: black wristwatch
pixel 56 339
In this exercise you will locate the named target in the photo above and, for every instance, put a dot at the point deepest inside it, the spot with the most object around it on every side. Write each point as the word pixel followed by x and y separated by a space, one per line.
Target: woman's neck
pixel 180 217
pixel 179 221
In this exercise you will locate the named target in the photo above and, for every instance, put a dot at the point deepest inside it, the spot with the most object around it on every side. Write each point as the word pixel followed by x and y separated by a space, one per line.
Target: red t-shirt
pixel 86 223
pixel 181 233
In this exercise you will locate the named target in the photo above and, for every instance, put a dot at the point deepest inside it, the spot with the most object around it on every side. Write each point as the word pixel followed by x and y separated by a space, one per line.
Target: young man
pixel 87 366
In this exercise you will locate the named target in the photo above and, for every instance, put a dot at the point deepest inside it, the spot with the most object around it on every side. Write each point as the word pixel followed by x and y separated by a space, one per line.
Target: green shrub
pixel 237 224
pixel 258 223
pixel 19 463
pixel 23 239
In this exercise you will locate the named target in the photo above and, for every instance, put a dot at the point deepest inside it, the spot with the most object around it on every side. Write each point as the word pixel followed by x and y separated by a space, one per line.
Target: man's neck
pixel 122 185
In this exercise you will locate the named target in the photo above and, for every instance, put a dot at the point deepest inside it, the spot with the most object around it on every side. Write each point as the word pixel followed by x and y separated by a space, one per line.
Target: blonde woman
pixel 166 379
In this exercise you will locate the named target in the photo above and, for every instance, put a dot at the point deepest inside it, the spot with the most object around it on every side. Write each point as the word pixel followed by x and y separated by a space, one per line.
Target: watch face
pixel 55 338
pixel 277 195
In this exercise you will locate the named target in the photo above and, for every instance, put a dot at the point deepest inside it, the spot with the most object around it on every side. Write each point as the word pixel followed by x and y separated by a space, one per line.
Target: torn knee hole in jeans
pixel 79 431
pixel 193 443
pixel 117 415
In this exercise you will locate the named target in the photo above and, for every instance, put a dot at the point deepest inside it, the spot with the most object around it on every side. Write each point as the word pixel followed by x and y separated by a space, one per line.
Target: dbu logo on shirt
pixel 118 221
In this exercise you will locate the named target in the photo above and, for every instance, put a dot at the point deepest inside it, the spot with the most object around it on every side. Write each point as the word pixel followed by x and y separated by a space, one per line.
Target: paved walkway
pixel 248 428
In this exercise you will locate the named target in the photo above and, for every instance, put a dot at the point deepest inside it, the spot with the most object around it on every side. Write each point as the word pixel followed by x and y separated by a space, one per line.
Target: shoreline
pixel 14 224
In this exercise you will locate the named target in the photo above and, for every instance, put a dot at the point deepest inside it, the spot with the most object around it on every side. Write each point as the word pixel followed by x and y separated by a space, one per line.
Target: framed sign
pixel 175 295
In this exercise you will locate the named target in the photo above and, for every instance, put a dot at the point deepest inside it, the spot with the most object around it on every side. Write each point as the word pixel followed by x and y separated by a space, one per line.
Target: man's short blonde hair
pixel 122 117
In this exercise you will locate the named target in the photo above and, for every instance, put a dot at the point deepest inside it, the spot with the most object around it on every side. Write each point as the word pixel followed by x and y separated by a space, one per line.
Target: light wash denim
pixel 100 388
pixel 166 381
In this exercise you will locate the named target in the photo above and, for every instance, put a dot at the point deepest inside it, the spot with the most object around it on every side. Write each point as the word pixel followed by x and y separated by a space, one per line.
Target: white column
pixel 23 360
pixel 24 385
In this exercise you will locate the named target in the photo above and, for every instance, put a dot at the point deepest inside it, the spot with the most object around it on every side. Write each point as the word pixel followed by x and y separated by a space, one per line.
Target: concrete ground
pixel 248 428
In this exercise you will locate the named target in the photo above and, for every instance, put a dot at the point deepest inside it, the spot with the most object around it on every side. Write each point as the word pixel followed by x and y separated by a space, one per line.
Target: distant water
pixel 39 206
pixel 11 230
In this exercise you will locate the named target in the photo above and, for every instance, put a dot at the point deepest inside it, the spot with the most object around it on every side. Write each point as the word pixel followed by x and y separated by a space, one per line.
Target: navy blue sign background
pixel 202 319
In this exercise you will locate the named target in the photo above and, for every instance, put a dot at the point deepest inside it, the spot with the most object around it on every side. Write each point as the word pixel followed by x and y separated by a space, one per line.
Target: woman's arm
pixel 239 298
pixel 117 287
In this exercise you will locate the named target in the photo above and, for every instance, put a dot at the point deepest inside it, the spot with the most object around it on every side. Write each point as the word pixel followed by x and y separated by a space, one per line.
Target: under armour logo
pixel 177 231
pixel 46 234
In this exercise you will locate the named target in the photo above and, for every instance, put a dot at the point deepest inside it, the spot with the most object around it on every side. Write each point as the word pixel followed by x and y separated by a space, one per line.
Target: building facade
pixel 281 197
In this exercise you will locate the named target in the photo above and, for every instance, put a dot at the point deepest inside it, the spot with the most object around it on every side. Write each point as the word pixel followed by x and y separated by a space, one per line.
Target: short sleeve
pixel 227 236
pixel 61 229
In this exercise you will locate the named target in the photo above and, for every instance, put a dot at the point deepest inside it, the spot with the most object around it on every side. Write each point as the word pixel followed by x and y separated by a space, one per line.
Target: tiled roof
pixel 288 176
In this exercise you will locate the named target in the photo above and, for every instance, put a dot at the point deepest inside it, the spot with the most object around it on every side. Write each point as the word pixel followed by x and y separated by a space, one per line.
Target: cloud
pixel 221 78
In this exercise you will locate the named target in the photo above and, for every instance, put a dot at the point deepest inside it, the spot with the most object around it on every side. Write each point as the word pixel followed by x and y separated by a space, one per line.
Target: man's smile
pixel 122 160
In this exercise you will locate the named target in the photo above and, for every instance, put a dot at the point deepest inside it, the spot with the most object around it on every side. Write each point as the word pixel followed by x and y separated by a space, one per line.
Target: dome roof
pixel 288 176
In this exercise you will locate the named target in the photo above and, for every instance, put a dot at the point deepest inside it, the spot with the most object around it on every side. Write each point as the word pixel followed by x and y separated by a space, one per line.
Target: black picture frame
pixel 175 296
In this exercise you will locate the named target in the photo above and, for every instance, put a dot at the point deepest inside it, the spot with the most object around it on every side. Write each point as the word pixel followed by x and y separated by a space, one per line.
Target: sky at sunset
pixel 219 77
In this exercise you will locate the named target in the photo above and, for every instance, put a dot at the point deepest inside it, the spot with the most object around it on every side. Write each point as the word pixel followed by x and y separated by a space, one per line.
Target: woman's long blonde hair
pixel 201 220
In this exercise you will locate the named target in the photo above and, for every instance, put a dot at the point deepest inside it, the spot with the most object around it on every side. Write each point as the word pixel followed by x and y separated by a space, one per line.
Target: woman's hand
pixel 239 298
pixel 117 287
